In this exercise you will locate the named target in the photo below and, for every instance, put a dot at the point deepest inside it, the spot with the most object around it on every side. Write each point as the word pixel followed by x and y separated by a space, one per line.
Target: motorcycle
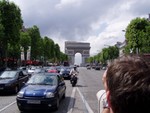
pixel 73 80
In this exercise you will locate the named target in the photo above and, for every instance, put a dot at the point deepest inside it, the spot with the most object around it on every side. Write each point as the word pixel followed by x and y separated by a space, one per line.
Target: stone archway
pixel 71 48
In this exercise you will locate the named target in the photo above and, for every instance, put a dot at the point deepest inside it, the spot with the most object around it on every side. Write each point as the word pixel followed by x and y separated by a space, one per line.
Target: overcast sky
pixel 99 22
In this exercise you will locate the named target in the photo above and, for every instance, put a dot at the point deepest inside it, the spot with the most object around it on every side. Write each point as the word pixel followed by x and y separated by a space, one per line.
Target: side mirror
pixel 101 95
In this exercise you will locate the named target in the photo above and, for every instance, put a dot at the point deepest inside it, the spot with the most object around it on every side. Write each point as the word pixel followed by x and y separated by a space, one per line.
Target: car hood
pixel 5 81
pixel 38 90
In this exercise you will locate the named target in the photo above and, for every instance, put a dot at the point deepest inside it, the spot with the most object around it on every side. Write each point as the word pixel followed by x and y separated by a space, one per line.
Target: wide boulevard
pixel 79 99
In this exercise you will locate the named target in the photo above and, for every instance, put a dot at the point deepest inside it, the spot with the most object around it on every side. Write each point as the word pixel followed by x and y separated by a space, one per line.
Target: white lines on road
pixel 7 106
pixel 71 104
pixel 85 102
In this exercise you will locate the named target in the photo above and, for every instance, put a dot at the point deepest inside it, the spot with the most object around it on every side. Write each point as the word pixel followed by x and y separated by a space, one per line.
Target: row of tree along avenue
pixel 137 37
pixel 14 38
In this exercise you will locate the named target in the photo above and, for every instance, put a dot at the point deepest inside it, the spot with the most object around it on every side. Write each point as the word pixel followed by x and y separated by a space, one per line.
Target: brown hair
pixel 128 80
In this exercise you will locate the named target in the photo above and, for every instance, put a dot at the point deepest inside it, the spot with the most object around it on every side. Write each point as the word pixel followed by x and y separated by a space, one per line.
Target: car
pixel 39 70
pixel 104 68
pixel 52 69
pixel 24 70
pixel 12 81
pixel 88 67
pixel 65 72
pixel 97 67
pixel 58 68
pixel 31 71
pixel 43 91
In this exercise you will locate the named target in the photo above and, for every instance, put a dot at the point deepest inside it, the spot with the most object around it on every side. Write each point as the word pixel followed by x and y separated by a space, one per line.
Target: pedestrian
pixel 127 85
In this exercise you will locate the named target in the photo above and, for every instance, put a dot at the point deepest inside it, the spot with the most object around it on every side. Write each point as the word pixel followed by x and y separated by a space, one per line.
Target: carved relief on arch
pixel 70 52
pixel 86 52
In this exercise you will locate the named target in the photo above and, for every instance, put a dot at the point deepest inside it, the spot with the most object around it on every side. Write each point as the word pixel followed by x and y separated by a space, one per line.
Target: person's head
pixel 75 67
pixel 128 84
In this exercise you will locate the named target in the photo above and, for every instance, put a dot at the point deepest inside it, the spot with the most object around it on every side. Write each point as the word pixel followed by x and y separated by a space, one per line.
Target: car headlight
pixel 49 95
pixel 20 94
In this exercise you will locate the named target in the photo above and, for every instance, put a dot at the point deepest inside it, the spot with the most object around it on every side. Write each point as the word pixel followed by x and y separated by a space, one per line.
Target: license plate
pixel 33 101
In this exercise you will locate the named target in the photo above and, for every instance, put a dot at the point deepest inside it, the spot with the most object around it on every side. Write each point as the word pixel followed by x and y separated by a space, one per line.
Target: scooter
pixel 73 80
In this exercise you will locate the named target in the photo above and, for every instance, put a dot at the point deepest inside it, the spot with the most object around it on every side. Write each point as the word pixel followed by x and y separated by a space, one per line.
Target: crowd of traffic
pixel 96 67
pixel 36 87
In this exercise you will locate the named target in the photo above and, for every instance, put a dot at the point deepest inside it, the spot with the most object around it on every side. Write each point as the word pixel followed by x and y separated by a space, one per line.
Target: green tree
pixel 13 53
pixel 52 50
pixel 63 57
pixel 1 36
pixel 137 35
pixel 12 23
pixel 34 33
pixel 46 48
pixel 25 42
pixel 57 53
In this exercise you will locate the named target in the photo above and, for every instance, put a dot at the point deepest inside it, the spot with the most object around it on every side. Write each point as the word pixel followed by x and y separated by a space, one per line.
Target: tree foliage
pixel 25 42
pixel 106 54
pixel 34 33
pixel 138 36
pixel 10 25
pixel 12 38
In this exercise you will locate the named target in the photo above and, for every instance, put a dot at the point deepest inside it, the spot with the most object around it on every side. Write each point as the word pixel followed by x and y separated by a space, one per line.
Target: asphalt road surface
pixel 79 99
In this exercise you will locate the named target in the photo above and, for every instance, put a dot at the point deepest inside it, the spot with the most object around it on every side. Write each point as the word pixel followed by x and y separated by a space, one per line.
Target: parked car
pixel 12 80
pixel 65 72
pixel 43 91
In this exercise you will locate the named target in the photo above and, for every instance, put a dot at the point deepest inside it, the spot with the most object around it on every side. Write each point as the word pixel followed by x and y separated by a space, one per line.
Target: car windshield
pixel 42 80
pixel 8 74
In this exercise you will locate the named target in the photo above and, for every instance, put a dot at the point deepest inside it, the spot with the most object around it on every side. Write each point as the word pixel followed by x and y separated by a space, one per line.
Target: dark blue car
pixel 11 81
pixel 42 91
pixel 65 72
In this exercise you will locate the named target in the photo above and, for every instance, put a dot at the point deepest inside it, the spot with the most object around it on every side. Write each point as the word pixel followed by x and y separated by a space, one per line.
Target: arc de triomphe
pixel 71 48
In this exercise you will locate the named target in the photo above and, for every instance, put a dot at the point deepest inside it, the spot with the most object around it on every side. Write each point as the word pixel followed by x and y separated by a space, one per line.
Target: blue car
pixel 11 81
pixel 42 91
pixel 65 72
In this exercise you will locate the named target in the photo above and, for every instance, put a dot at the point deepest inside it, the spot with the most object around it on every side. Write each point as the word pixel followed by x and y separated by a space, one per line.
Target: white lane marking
pixel 7 106
pixel 85 102
pixel 71 104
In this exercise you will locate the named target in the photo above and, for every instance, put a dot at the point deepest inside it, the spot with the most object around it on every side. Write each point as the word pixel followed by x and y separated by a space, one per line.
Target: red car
pixel 52 70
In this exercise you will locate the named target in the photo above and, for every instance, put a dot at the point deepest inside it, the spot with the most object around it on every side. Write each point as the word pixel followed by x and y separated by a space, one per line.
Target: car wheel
pixel 21 109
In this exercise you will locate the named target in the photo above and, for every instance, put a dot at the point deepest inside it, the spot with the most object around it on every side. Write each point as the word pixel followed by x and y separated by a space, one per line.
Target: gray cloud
pixel 97 21
pixel 71 22
pixel 141 7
